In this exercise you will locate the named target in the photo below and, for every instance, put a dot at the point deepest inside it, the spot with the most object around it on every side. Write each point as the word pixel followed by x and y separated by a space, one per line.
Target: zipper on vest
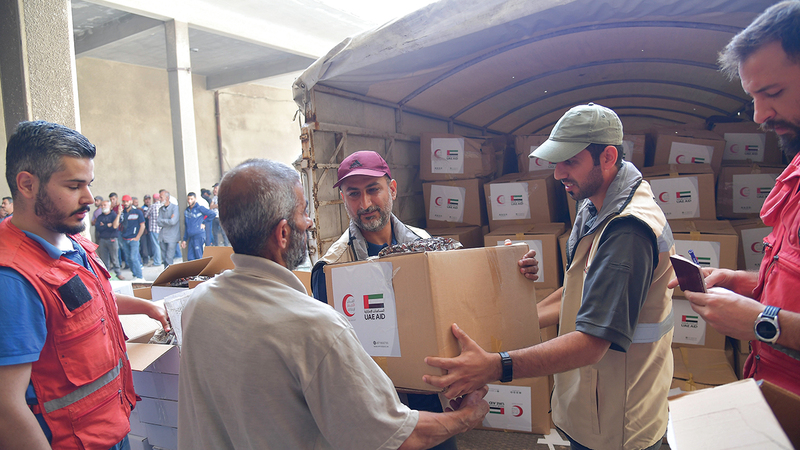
pixel 86 333
pixel 103 321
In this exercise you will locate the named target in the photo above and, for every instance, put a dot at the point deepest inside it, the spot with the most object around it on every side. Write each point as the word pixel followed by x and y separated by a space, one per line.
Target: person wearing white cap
pixel 612 361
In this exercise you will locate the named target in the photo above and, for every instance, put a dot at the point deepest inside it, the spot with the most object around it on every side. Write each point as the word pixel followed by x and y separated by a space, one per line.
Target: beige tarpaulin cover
pixel 514 66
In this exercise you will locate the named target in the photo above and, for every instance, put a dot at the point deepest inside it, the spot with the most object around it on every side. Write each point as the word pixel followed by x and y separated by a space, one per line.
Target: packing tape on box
pixel 497 345
pixel 494 267
pixel 673 171
pixel 695 236
pixel 691 385
pixel 519 236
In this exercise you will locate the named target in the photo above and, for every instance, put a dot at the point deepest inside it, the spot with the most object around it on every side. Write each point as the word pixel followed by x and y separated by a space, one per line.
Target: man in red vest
pixel 65 379
pixel 764 307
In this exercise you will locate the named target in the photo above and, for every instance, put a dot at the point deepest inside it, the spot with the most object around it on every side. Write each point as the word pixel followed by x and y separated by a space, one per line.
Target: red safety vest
pixel 779 276
pixel 82 379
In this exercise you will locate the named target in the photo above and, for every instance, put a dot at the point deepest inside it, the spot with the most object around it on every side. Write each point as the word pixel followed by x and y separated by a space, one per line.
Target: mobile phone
pixel 690 275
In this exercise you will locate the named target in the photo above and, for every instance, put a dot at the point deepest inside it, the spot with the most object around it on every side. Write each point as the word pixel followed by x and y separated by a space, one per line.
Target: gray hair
pixel 780 22
pixel 38 147
pixel 253 198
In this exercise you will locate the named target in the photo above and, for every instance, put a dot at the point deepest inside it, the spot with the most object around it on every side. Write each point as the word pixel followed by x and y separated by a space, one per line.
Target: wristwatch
pixel 508 367
pixel 766 326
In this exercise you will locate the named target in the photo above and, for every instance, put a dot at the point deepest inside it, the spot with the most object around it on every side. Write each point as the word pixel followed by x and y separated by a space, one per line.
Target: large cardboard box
pixel 691 330
pixel 456 202
pixel 633 146
pixel 683 146
pixel 751 237
pixel 684 191
pixel 745 141
pixel 705 366
pixel 452 157
pixel 469 236
pixel 521 199
pixel 524 146
pixel 402 307
pixel 738 415
pixel 216 259
pixel 542 237
pixel 742 189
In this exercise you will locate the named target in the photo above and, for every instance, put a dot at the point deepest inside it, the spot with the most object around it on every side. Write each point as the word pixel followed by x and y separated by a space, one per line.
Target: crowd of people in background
pixel 133 234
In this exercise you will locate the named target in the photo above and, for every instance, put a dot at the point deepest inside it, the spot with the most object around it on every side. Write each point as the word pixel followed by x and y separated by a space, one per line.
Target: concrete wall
pixel 125 112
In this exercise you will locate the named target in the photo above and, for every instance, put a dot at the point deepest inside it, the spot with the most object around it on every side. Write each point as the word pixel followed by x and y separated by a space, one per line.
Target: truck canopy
pixel 515 66
pixel 509 67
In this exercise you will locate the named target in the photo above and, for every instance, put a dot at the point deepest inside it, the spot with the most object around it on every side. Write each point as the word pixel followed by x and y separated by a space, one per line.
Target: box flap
pixel 142 356
pixel 181 270
pixel 735 415
pixel 702 226
pixel 220 260
pixel 679 169
pixel 785 405
pixel 538 228
pixel 137 326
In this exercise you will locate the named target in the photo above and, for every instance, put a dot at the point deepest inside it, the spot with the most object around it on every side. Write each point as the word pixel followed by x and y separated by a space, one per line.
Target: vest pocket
pixel 86 352
pixel 595 409
pixel 100 423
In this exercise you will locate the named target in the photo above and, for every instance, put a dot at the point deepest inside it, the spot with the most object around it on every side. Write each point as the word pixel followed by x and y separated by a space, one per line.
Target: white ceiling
pixel 267 42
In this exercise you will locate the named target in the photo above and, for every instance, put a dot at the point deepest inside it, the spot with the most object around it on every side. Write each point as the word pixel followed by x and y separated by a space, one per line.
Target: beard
pixel 790 142
pixel 53 219
pixel 593 183
pixel 377 224
pixel 298 249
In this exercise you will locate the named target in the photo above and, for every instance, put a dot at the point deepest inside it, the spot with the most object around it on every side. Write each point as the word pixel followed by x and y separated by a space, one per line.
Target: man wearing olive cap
pixel 612 361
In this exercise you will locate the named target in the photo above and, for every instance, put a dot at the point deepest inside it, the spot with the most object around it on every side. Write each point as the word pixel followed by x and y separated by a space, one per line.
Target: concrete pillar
pixel 37 63
pixel 181 101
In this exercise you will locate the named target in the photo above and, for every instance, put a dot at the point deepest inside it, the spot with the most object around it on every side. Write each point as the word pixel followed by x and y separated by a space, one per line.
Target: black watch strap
pixel 508 367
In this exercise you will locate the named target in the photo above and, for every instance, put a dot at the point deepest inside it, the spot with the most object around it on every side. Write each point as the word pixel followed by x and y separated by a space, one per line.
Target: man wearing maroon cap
pixel 366 186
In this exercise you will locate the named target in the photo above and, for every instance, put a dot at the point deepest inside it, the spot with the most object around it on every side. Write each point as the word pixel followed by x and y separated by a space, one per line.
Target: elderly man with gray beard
pixel 263 365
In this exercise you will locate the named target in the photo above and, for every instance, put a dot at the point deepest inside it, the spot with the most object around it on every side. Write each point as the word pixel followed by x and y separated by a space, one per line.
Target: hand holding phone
pixel 690 275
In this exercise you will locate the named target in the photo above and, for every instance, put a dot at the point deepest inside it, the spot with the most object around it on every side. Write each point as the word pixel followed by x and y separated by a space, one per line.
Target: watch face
pixel 766 330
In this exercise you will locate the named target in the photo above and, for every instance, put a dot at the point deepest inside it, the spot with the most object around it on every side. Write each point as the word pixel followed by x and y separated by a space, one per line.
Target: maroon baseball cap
pixel 364 162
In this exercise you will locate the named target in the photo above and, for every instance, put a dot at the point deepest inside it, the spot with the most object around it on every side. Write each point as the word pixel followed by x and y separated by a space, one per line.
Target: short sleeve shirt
pixel 617 282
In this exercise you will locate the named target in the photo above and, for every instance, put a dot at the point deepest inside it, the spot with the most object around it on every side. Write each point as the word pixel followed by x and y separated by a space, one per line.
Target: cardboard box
pixel 521 199
pixel 633 146
pixel 702 365
pixel 684 191
pixel 742 189
pixel 691 330
pixel 452 157
pixel 745 141
pixel 158 411
pixel 737 415
pixel 138 442
pixel 162 437
pixel 305 278
pixel 469 236
pixel 519 406
pixel 682 146
pixel 751 242
pixel 524 146
pixel 402 307
pixel 457 202
pixel 215 260
pixel 542 237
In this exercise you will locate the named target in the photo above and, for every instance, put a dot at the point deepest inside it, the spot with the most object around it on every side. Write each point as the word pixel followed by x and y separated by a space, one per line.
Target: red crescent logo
pixel 756 247
pixel 536 160
pixel 436 153
pixel 437 201
pixel 499 199
pixel 744 192
pixel 734 148
pixel 344 306
pixel 661 197
pixel 516 410
pixel 678 159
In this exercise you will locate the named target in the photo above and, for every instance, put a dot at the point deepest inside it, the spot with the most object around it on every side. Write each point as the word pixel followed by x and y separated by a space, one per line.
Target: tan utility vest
pixel 620 402
pixel 351 245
